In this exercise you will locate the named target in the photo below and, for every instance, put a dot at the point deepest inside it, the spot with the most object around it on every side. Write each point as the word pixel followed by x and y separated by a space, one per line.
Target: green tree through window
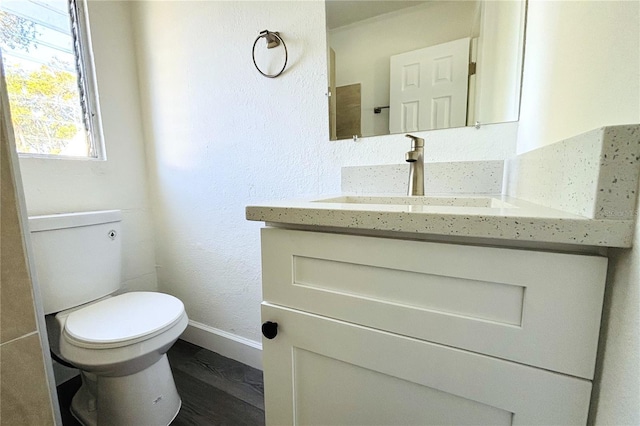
pixel 40 55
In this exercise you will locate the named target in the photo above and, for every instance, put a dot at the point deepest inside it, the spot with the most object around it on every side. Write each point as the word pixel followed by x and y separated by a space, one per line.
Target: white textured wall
pixel 53 185
pixel 220 136
pixel 617 385
pixel 582 71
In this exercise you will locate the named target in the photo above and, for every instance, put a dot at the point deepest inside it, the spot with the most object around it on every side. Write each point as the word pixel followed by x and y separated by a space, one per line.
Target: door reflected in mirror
pixel 407 66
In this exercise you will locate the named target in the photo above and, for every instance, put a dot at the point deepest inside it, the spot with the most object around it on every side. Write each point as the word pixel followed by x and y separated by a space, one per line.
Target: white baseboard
pixel 224 343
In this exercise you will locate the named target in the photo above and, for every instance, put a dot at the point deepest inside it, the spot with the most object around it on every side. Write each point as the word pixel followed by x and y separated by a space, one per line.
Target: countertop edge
pixel 563 230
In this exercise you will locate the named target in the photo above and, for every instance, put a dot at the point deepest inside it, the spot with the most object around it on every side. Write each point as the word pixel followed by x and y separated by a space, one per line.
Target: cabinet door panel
pixel 332 392
pixel 320 371
pixel 537 308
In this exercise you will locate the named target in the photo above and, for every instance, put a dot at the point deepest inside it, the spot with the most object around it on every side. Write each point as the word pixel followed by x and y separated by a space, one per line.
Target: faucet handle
pixel 416 142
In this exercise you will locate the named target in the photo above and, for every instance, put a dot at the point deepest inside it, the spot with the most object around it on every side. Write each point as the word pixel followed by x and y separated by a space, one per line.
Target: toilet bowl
pixel 119 342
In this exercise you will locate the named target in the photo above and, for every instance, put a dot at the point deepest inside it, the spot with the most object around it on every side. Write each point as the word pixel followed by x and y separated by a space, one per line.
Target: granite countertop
pixel 472 216
pixel 580 191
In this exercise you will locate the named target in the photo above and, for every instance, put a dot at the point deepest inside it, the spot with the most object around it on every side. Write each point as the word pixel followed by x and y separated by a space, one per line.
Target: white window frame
pixel 87 78
pixel 88 87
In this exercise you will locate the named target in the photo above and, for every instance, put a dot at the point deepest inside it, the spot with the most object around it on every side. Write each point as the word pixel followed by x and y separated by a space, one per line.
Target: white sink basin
pixel 489 202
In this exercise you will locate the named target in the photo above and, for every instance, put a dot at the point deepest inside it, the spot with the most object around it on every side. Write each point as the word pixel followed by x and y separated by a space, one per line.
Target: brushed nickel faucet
pixel 415 158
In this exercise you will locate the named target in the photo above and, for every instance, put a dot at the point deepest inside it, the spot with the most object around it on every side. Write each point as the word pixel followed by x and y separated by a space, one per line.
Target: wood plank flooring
pixel 215 390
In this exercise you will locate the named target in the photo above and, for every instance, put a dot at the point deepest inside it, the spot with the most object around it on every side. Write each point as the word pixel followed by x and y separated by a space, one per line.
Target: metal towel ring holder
pixel 273 40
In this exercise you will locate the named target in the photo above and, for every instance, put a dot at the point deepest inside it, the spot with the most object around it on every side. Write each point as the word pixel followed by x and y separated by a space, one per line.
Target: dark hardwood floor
pixel 215 390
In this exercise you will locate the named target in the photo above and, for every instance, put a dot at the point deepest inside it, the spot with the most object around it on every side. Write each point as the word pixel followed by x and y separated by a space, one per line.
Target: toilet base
pixel 148 397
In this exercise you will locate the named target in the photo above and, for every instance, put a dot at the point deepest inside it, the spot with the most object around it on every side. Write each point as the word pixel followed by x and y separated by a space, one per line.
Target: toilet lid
pixel 124 317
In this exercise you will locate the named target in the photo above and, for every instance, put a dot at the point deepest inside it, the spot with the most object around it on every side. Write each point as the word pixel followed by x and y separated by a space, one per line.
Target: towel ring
pixel 273 40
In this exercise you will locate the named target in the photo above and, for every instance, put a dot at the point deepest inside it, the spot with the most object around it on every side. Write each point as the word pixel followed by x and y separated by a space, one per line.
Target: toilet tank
pixel 77 257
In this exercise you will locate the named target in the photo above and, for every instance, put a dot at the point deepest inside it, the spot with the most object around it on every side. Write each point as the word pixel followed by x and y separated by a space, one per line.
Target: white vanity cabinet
pixel 381 331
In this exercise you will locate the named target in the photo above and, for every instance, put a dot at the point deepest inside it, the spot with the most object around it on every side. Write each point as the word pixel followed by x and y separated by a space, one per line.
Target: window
pixel 50 81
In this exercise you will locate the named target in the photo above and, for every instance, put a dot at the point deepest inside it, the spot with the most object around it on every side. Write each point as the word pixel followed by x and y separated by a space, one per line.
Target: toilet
pixel 119 342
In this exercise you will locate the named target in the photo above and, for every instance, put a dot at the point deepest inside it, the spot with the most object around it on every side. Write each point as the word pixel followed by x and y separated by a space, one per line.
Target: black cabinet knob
pixel 270 329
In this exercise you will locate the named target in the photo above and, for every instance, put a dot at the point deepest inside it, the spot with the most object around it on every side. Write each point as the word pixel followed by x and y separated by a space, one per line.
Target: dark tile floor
pixel 215 390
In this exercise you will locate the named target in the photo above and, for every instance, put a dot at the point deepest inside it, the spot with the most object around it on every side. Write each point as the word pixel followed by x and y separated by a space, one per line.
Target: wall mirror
pixel 406 66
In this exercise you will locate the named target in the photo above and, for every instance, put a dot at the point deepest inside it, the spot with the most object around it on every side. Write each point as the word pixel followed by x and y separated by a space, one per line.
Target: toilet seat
pixel 122 320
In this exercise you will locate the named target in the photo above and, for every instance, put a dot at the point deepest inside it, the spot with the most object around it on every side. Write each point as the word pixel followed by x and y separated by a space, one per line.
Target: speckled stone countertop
pixel 502 218
pixel 581 191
